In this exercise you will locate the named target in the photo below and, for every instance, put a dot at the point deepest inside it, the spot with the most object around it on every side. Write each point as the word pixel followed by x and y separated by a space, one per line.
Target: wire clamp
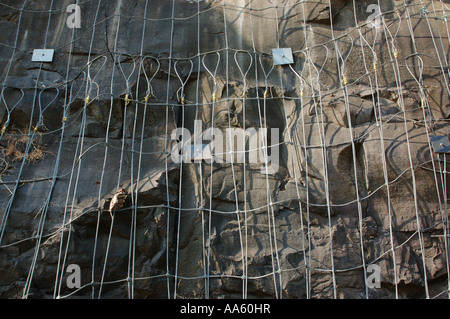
pixel 214 97
pixel 36 130
pixel 423 103
pixel 345 81
pixel 127 99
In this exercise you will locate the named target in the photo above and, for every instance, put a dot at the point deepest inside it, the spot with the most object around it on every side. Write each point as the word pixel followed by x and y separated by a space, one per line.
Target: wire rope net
pixel 166 153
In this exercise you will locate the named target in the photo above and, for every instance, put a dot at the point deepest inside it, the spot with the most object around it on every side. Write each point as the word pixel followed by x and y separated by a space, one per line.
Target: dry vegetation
pixel 13 148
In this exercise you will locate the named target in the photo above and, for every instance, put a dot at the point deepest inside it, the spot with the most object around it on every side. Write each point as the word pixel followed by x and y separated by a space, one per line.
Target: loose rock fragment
pixel 117 201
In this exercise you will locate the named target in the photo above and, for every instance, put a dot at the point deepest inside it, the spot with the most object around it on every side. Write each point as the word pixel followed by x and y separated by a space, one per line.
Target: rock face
pixel 353 203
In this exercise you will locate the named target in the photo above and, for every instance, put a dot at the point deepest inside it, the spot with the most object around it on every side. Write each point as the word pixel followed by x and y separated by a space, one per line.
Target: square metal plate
pixel 440 144
pixel 200 152
pixel 282 56
pixel 42 55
